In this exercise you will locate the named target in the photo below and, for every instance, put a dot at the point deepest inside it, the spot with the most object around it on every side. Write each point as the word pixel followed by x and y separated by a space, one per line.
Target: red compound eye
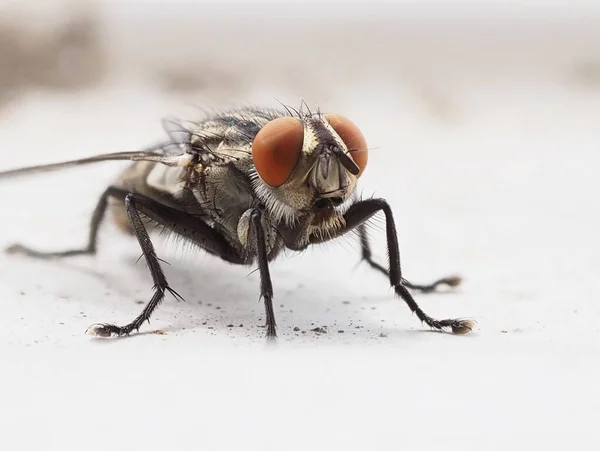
pixel 352 137
pixel 276 150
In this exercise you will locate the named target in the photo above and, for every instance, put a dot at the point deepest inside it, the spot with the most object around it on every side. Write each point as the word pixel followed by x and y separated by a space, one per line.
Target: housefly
pixel 244 185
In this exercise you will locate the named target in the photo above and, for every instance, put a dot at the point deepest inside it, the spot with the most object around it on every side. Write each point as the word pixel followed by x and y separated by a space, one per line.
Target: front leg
pixel 360 212
pixel 367 255
pixel 266 286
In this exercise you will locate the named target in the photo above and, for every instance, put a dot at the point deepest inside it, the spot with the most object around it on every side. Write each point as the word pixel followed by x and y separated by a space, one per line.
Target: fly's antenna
pixel 181 159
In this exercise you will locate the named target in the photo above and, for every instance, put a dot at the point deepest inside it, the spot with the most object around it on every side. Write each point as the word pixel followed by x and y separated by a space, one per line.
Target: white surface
pixel 507 199
pixel 499 184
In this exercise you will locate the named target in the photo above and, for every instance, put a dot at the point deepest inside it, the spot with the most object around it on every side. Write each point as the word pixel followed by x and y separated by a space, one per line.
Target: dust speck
pixel 320 330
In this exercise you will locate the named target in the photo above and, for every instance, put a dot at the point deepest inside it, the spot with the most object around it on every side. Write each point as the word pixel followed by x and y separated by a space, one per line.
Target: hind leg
pixel 91 247
pixel 366 255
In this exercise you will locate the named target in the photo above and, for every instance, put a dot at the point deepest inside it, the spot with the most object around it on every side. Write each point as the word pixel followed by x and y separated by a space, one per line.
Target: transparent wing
pixel 179 134
pixel 170 154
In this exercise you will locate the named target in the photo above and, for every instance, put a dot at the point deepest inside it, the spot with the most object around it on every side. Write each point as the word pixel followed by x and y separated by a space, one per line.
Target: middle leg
pixel 176 221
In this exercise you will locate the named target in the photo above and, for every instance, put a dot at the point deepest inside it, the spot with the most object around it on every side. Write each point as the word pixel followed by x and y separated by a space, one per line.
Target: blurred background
pixel 438 56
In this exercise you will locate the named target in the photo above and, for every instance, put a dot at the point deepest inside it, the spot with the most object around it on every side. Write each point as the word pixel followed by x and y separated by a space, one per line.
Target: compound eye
pixel 276 150
pixel 352 137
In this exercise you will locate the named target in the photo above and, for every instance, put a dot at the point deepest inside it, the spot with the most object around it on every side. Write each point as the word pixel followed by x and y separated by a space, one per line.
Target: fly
pixel 244 185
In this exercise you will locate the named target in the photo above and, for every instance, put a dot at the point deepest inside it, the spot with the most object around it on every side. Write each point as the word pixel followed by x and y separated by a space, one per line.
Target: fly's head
pixel 308 165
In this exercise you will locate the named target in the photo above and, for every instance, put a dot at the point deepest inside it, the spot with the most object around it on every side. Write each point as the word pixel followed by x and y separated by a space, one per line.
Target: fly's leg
pixel 160 282
pixel 366 255
pixel 360 212
pixel 266 286
pixel 91 247
pixel 183 224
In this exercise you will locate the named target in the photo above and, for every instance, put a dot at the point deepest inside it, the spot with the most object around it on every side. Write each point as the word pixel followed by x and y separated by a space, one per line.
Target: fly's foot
pixel 14 249
pixel 457 326
pixel 271 333
pixel 450 281
pixel 19 249
pixel 463 326
pixel 101 330
pixel 27 251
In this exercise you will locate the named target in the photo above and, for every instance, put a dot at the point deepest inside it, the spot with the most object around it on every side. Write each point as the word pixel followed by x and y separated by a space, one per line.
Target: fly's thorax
pixel 224 192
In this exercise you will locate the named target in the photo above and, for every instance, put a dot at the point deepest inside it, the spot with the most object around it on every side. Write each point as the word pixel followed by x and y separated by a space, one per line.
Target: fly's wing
pixel 169 154
pixel 178 133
